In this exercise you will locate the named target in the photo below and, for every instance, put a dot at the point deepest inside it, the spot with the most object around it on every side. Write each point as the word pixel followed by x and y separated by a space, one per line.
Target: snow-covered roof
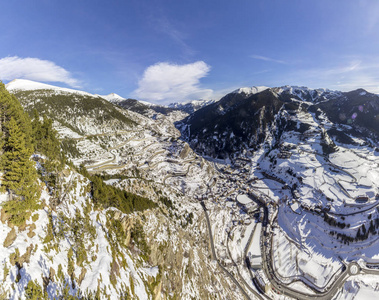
pixel 255 249
pixel 244 199
pixel 295 207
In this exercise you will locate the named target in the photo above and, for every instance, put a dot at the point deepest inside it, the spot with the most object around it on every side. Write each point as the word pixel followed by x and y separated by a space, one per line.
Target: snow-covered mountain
pixel 312 157
pixel 267 191
pixel 18 85
pixel 243 118
pixel 190 106
pixel 250 90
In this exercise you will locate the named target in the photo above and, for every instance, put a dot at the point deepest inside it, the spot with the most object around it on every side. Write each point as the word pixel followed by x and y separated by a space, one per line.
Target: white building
pixel 263 281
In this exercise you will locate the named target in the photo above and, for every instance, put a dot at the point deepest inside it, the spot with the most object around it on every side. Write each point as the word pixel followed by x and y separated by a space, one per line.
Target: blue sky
pixel 164 51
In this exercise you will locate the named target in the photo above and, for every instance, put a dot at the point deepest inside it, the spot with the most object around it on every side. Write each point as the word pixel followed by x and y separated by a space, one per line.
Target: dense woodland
pixel 109 196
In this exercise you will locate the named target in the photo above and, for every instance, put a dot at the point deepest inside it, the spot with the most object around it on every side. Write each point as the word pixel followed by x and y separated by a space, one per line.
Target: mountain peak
pixel 112 97
pixel 250 90
pixel 359 91
pixel 26 85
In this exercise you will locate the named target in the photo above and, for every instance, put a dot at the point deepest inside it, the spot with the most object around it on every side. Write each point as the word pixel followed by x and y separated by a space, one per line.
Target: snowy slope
pixel 250 90
pixel 28 85
pixel 49 257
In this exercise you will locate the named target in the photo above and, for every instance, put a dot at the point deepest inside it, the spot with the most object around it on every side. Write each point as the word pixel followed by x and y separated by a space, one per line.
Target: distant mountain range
pixel 242 119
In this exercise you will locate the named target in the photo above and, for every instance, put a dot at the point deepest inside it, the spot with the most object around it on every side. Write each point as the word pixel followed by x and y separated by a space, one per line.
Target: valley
pixel 260 195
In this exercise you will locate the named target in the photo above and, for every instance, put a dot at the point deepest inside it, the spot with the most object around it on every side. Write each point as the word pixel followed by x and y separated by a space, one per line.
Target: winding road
pixel 245 294
pixel 267 258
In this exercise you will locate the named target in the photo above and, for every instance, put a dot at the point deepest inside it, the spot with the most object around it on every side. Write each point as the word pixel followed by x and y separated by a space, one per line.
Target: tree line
pixel 105 195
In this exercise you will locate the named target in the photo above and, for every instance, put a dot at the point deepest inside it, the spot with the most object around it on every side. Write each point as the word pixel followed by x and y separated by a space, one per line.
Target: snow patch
pixel 251 90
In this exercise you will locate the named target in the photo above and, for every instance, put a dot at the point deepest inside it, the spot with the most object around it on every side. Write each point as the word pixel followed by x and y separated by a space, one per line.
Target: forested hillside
pixel 39 185
pixel 19 172
pixel 67 232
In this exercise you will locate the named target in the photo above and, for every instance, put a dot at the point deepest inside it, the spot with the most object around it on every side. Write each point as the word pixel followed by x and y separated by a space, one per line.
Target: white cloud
pixel 371 15
pixel 265 58
pixel 165 82
pixel 177 36
pixel 15 67
pixel 346 68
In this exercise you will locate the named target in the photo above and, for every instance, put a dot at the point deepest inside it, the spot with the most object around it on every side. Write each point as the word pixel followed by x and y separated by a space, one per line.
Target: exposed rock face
pixel 183 154
pixel 127 223
pixel 184 260
pixel 11 237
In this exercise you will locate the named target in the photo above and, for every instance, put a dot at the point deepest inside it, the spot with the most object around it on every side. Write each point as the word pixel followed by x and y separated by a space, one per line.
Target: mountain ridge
pixel 225 125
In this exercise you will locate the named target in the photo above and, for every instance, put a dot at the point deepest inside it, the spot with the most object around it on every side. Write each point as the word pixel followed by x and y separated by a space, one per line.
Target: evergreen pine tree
pixel 45 139
pixel 20 176
pixel 33 291
pixel 11 107
pixel 46 143
pixel 36 129
pixel 19 170
pixel 49 143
